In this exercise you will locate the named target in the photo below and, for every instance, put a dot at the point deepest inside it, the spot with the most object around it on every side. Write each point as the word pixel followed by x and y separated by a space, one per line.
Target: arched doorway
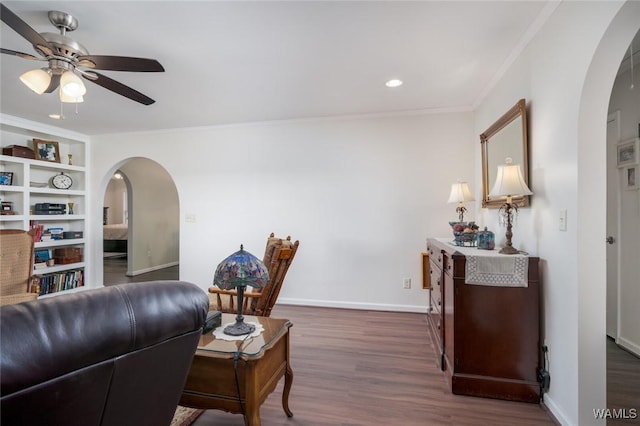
pixel 623 231
pixel 592 123
pixel 142 224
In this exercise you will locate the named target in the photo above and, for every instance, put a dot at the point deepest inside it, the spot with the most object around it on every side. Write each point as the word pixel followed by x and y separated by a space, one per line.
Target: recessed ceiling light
pixel 55 116
pixel 393 83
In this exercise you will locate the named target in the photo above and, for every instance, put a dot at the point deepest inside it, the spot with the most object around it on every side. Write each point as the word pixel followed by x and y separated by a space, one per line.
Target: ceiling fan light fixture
pixel 72 85
pixel 36 80
pixel 70 99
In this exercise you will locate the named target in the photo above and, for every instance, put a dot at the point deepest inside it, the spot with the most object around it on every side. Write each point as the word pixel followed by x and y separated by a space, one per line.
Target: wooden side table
pixel 217 373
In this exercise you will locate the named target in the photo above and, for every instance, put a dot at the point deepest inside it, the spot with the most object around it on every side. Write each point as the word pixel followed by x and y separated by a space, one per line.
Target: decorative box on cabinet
pixel 487 337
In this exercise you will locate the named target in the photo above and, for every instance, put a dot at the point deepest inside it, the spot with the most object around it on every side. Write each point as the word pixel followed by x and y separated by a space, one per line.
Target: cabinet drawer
pixel 435 256
pixel 454 265
pixel 436 301
pixel 435 320
pixel 435 275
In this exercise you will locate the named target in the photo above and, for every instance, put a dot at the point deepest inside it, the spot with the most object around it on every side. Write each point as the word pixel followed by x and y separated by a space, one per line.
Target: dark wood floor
pixel 623 383
pixel 362 368
pixel 115 269
pixel 345 375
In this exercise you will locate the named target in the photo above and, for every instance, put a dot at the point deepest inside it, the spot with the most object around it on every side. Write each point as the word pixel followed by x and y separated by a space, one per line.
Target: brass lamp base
pixel 507 210
pixel 509 250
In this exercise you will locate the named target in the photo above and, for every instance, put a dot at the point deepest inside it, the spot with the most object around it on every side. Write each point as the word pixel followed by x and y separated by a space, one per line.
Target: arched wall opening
pixel 592 128
pixel 152 225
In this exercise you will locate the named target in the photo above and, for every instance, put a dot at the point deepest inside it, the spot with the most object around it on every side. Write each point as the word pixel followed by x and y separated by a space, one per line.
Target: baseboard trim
pixel 628 345
pixel 556 413
pixel 353 305
pixel 151 269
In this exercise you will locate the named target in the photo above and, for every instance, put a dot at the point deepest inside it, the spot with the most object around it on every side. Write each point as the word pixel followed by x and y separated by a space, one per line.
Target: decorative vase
pixel 486 240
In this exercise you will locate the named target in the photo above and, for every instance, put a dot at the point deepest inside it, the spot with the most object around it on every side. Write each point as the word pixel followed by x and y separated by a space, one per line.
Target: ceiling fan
pixel 67 59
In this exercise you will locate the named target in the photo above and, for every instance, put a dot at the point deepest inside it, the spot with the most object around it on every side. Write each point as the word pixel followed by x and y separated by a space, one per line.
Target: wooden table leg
pixel 253 415
pixel 288 380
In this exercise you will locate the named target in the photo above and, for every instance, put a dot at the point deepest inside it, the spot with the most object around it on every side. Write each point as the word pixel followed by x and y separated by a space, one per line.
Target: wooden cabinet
pixel 487 337
pixel 31 186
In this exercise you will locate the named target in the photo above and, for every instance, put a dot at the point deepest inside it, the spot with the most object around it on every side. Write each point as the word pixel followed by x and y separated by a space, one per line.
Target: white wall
pixel 628 103
pixel 564 174
pixel 361 194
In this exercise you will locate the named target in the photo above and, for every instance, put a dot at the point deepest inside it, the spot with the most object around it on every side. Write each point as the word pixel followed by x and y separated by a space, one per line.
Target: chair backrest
pixel 278 255
pixel 16 263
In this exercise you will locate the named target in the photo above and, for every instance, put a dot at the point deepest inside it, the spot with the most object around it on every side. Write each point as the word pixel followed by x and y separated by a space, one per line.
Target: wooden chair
pixel 278 256
pixel 16 266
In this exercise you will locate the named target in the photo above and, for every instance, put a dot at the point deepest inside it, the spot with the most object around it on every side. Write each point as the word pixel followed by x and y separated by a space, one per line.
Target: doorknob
pixel 610 240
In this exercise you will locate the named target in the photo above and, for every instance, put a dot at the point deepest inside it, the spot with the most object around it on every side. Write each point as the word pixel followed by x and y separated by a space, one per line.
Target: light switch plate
pixel 563 219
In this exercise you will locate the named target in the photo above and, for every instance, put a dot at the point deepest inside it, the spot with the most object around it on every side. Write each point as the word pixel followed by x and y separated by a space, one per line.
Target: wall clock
pixel 62 181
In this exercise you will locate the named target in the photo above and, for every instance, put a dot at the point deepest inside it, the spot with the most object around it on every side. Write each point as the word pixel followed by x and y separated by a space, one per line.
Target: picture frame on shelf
pixel 631 178
pixel 627 152
pixel 46 150
pixel 6 178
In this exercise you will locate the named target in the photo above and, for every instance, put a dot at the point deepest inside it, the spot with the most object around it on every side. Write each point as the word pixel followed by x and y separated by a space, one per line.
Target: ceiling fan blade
pixel 53 85
pixel 121 89
pixel 20 54
pixel 22 28
pixel 120 63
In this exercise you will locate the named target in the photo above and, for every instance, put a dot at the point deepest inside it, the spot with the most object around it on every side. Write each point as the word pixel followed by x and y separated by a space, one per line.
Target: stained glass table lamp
pixel 237 272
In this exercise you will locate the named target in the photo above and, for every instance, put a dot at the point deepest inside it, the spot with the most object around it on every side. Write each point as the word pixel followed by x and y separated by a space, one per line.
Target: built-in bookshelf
pixel 31 187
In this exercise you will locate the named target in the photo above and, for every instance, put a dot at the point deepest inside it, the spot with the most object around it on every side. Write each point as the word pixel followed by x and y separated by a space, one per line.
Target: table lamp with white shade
pixel 509 183
pixel 459 194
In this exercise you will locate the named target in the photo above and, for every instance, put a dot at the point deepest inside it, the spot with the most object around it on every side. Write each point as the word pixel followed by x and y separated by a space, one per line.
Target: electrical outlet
pixel 406 283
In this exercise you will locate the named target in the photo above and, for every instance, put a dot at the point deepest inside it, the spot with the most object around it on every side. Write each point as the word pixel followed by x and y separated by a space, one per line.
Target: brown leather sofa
pixel 117 355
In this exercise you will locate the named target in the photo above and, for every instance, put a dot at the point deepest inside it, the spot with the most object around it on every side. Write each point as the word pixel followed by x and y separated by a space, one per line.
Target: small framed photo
pixel 630 178
pixel 46 150
pixel 628 152
pixel 6 178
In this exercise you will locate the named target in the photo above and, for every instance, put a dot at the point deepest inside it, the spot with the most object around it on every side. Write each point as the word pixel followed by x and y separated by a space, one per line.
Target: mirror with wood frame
pixel 507 137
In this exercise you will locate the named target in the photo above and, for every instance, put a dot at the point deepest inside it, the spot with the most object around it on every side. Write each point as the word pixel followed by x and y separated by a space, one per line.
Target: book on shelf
pixel 60 281
pixel 41 255
pixel 56 233
pixel 37 235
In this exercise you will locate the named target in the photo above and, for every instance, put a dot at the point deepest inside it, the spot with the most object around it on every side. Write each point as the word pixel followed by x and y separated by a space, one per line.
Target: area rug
pixel 184 416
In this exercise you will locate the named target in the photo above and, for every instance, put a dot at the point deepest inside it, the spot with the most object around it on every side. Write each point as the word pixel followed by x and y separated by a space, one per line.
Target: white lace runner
pixel 497 271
